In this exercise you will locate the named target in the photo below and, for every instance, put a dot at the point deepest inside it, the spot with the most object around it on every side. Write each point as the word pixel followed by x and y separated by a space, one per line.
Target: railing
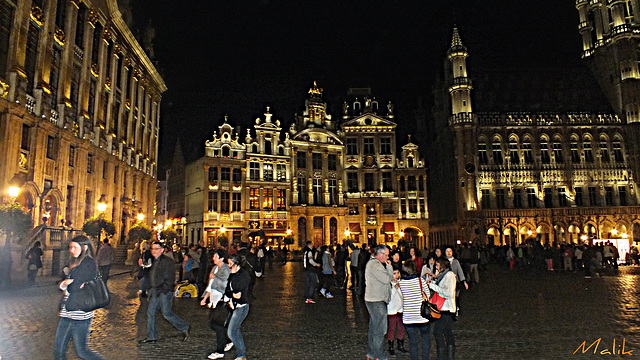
pixel 30 104
pixel 546 212
pixel 54 117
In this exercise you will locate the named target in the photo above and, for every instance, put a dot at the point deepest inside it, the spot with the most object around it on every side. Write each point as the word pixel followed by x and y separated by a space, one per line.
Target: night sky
pixel 237 56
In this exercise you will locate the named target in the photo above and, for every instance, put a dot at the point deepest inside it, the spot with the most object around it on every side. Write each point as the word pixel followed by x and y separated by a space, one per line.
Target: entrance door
pixel 372 238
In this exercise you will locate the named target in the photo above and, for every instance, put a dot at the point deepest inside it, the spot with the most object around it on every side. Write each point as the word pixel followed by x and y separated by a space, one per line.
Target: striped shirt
pixel 412 298
pixel 76 314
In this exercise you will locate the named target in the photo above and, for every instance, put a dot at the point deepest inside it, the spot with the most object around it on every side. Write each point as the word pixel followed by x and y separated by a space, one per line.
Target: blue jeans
pixel 377 329
pixel 79 331
pixel 239 314
pixel 417 333
pixel 310 283
pixel 164 302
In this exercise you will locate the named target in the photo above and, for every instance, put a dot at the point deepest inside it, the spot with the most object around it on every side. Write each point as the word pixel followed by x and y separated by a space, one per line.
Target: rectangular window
pixel 369 148
pixel 413 206
pixel 557 153
pixel 548 198
pixel 593 197
pixel 281 199
pixel 54 74
pixel 497 153
pixel 385 146
pixel 254 199
pixel 254 170
pixel 531 198
pixel 500 198
pixel 604 152
pixel 50 147
pixel 622 195
pixel 575 154
pixel 316 161
pixel 514 158
pixel 267 172
pixel 24 142
pixel 411 183
pixel 302 190
pixel 236 202
pixel 544 153
pixel 115 174
pixel 212 204
pixel 608 195
pixel 617 152
pixel 483 159
pixel 527 153
pixel 517 198
pixel 92 98
pixel 6 22
pixel 387 183
pixel 333 191
pixel 369 182
pixel 332 162
pixel 267 199
pixel 225 174
pixel 579 199
pixel 213 174
pixel 352 146
pixel 80 21
pixel 72 156
pixel 588 153
pixel 354 209
pixel 485 199
pixel 317 192
pixel 281 172
pixel 89 163
pixel 105 165
pixel 562 197
pixel 387 208
pixel 352 182
pixel 237 175
pixel 88 204
pixel 301 159
pixel 33 39
pixel 225 202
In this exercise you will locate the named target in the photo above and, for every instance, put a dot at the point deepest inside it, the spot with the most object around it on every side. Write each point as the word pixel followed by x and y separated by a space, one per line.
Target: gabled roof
pixel 368 119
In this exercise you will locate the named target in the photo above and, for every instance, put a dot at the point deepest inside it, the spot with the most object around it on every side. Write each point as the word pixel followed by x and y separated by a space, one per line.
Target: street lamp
pixel 102 204
pixel 140 216
pixel 14 187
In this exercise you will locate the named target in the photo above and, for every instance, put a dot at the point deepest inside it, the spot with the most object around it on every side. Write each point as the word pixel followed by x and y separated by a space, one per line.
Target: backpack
pixel 185 290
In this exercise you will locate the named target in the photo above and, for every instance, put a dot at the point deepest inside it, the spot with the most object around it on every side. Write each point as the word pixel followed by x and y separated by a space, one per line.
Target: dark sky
pixel 237 56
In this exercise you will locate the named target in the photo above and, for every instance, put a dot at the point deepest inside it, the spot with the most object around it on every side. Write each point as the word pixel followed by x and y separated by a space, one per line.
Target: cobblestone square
pixel 509 315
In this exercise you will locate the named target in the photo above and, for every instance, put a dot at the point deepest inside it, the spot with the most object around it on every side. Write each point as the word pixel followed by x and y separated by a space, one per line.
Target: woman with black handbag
pixel 77 323
pixel 445 285
pixel 219 315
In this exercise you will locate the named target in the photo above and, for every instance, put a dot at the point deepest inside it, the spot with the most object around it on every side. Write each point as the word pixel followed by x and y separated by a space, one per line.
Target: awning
pixel 389 228
pixel 354 228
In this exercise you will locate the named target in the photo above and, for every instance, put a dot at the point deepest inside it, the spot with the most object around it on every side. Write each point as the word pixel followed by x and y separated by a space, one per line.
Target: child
pixel 394 315
pixel 187 264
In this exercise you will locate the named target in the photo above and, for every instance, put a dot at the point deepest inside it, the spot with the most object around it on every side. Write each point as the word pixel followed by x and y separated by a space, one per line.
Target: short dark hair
pixel 409 267
pixel 159 243
pixel 444 263
pixel 222 254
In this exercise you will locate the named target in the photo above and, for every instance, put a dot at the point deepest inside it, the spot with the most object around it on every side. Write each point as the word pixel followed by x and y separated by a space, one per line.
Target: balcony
pixel 30 104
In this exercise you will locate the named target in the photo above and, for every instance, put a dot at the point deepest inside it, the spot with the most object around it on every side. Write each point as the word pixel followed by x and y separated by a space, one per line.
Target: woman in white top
pixel 445 286
pixel 418 328
pixel 394 315
pixel 429 269
pixel 214 292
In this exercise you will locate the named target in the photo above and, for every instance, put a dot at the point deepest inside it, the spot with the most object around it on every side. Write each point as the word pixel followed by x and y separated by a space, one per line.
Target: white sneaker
pixel 329 296
pixel 215 356
pixel 228 347
pixel 323 292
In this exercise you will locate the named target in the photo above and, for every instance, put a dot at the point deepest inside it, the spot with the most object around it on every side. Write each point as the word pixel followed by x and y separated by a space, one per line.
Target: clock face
pixel 470 168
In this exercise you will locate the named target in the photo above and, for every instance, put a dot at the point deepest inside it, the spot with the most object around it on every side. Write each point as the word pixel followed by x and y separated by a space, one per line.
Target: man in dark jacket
pixel 163 279
pixel 363 258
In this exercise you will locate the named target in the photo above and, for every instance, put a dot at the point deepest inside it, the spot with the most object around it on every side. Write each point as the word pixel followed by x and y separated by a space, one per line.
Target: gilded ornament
pixel 59 36
pixel 4 88
pixel 37 15
pixel 76 3
pixel 107 83
pixel 95 70
pixel 127 61
pixel 128 104
pixel 92 18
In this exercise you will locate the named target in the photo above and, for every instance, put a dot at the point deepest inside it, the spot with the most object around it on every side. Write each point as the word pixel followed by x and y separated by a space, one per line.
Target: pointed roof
pixel 456 41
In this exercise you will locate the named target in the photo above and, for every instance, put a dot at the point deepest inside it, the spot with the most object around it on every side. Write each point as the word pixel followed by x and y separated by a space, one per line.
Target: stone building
pixel 80 115
pixel 539 171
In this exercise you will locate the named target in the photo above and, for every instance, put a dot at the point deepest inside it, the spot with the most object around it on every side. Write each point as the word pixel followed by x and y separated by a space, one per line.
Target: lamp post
pixel 14 187
pixel 140 216
pixel 102 205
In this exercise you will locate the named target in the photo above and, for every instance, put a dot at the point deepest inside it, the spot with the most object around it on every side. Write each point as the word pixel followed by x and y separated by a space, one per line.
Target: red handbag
pixel 437 300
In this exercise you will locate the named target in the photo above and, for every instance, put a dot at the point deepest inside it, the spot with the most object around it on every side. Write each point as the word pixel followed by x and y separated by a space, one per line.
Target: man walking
pixel 106 257
pixel 311 270
pixel 163 279
pixel 378 276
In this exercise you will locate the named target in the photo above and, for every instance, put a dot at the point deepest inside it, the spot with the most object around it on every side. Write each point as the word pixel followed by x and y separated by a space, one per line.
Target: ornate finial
pixel 268 107
pixel 315 91
pixel 226 117
pixel 456 40
pixel 268 115
pixel 409 138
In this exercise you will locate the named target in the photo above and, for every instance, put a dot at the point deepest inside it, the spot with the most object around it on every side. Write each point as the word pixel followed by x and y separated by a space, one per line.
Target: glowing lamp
pixel 140 216
pixel 102 204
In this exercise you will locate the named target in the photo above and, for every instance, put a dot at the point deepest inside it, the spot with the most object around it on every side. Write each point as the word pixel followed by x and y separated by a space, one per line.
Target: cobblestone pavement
pixel 509 315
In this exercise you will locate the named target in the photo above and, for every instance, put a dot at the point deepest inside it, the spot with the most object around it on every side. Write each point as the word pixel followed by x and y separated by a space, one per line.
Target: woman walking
pixel 214 292
pixel 445 285
pixel 35 263
pixel 418 328
pixel 77 323
pixel 238 291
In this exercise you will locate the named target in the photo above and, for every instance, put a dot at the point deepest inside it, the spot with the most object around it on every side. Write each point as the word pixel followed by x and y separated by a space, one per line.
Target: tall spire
pixel 456 40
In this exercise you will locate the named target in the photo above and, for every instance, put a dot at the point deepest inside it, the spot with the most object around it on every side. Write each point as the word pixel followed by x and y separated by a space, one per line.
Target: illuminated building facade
pixel 80 114
pixel 552 176
pixel 278 183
